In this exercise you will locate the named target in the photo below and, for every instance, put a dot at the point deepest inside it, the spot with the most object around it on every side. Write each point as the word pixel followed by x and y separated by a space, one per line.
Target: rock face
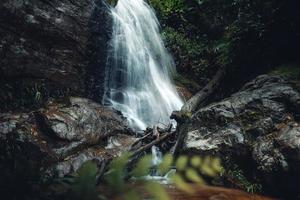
pixel 51 48
pixel 61 137
pixel 257 129
pixel 83 120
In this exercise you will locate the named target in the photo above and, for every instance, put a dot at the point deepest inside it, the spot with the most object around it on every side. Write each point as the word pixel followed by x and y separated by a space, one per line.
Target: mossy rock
pixel 291 72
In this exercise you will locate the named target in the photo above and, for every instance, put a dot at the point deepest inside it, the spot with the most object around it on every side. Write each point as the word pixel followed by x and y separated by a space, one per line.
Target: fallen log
pixel 181 132
pixel 151 135
pixel 158 140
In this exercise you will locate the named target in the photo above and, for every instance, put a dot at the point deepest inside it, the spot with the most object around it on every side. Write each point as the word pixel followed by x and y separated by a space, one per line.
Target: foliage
pixel 247 37
pixel 238 176
pixel 115 182
pixel 192 58
pixel 194 170
pixel 291 72
pixel 169 8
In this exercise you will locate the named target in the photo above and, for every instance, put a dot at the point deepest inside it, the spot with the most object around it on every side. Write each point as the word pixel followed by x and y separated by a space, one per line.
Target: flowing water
pixel 157 158
pixel 139 67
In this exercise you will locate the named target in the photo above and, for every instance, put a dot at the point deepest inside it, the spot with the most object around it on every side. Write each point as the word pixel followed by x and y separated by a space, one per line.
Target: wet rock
pixel 21 130
pixel 83 120
pixel 116 145
pixel 213 140
pixel 256 129
pixel 64 136
pixel 267 157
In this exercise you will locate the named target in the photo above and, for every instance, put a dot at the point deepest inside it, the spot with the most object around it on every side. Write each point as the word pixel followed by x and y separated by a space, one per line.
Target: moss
pixel 289 71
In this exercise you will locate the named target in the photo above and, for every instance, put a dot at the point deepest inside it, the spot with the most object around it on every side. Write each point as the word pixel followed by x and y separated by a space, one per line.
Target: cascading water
pixel 139 67
pixel 157 158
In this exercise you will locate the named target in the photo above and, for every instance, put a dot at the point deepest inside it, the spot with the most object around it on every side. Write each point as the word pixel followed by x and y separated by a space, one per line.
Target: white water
pixel 154 175
pixel 156 155
pixel 156 160
pixel 140 67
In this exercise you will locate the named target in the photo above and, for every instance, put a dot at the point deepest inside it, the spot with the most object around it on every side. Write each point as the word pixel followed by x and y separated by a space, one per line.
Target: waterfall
pixel 139 68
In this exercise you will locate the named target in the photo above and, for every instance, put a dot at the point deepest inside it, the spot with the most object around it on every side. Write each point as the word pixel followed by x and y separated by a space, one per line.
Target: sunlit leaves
pixel 189 171
pixel 157 190
pixel 182 184
pixel 194 176
pixel 196 161
pixel 181 162
pixel 216 165
pixel 211 166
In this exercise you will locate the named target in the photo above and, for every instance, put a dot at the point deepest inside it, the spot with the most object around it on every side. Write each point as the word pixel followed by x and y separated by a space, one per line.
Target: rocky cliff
pixel 256 133
pixel 51 49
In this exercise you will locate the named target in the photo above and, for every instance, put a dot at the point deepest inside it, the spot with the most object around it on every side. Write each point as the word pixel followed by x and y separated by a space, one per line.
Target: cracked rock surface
pixel 256 128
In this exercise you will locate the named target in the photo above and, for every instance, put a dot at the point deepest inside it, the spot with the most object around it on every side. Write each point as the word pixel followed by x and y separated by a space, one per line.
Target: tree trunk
pixel 201 97
pixel 182 117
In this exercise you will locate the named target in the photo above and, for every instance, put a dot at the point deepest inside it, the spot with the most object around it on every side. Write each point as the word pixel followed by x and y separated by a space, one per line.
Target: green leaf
pixel 157 190
pixel 193 176
pixel 207 170
pixel 143 166
pixel 181 162
pixel 196 161
pixel 181 184
pixel 216 165
pixel 166 163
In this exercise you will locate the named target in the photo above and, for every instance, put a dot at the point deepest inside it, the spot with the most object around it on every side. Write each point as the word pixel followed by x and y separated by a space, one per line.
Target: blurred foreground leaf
pixel 166 163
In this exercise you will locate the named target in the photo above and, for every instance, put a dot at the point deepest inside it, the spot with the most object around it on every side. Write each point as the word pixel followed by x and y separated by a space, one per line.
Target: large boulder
pixel 255 129
pixel 51 49
pixel 82 120
pixel 61 137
